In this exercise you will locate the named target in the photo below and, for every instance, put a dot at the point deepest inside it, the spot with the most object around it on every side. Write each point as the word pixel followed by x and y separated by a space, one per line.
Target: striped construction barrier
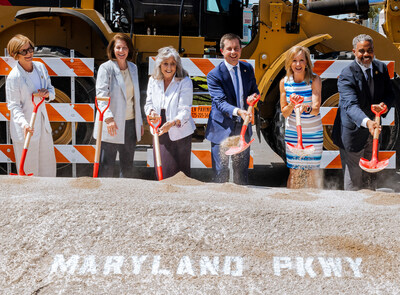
pixel 84 154
pixel 330 69
pixel 82 67
pixel 79 154
pixel 60 112
pixel 198 67
pixel 198 159
pixel 331 159
pixel 57 67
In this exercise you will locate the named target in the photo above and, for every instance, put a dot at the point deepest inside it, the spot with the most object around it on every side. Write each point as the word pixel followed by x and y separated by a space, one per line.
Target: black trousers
pixel 126 154
pixel 354 177
pixel 175 155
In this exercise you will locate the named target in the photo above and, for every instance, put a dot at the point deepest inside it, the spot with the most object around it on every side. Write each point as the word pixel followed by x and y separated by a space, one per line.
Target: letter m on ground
pixel 62 266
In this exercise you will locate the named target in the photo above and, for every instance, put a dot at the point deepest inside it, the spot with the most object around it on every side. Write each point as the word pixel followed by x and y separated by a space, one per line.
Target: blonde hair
pixel 163 54
pixel 16 43
pixel 294 51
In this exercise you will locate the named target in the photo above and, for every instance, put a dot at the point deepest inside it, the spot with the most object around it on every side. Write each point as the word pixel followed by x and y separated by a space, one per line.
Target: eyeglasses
pixel 25 51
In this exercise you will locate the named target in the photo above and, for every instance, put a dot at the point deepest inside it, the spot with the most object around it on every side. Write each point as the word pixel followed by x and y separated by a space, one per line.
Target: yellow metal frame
pixel 279 63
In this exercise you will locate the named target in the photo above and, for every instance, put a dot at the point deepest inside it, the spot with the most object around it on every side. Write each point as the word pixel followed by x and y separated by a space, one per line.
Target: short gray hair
pixel 362 38
pixel 163 54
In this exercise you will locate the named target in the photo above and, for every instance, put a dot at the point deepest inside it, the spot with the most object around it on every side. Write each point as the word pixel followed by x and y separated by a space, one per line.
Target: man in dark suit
pixel 230 84
pixel 363 83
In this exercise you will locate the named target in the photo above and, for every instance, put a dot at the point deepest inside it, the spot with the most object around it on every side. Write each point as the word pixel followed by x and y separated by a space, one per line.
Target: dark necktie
pixel 237 88
pixel 370 82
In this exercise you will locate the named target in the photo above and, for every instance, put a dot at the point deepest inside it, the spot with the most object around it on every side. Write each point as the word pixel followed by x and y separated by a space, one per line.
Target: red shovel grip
pixel 378 114
pixel 296 99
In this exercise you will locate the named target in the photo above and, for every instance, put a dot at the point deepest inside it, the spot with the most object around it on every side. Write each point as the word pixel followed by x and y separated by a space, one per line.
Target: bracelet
pixel 308 110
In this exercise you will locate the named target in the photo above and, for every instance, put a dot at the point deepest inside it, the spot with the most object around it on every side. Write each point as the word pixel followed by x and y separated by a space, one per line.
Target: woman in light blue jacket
pixel 170 95
pixel 118 79
pixel 26 78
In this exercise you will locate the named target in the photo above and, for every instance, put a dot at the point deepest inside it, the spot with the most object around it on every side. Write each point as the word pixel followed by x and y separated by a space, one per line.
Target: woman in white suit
pixel 170 95
pixel 118 79
pixel 26 78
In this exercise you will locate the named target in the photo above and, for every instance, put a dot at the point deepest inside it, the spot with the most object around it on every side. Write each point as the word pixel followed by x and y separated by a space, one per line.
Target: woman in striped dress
pixel 300 80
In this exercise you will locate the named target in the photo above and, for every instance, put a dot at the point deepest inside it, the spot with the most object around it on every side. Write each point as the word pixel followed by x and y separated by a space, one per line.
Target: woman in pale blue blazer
pixel 26 78
pixel 170 95
pixel 118 79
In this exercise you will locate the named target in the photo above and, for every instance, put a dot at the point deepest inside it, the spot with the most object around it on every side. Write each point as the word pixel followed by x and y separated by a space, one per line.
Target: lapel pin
pixel 245 71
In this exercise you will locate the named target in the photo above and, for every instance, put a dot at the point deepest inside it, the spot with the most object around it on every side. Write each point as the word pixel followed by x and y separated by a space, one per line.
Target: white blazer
pixel 177 101
pixel 110 83
pixel 19 89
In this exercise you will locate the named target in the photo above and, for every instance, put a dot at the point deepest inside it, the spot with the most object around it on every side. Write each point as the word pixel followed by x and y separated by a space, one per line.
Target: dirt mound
pixel 382 198
pixel 181 179
pixel 297 195
pixel 130 236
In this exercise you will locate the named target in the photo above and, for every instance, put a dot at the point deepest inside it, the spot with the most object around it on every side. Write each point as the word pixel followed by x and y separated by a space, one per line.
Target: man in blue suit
pixel 363 83
pixel 230 84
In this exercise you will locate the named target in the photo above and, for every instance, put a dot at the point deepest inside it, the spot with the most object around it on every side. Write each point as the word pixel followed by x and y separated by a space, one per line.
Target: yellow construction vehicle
pixel 193 26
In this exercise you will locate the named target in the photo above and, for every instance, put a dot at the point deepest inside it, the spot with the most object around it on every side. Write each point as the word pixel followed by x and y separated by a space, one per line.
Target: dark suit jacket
pixel 355 104
pixel 221 123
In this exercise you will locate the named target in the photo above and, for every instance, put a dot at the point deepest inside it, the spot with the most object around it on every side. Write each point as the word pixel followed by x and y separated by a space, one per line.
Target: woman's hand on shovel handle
pixel 43 93
pixel 154 117
pixel 167 125
pixel 27 129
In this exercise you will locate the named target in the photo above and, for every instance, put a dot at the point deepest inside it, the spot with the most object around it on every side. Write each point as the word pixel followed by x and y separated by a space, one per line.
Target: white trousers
pixel 40 158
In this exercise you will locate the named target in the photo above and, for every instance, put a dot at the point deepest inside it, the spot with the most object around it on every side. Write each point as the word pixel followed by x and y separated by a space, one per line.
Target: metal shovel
pixel 299 149
pixel 374 165
pixel 156 147
pixel 28 137
pixel 243 145
pixel 99 132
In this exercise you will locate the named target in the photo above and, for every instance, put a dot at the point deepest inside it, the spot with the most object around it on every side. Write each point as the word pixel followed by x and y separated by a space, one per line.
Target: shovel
pixel 99 132
pixel 156 147
pixel 374 165
pixel 21 171
pixel 299 149
pixel 243 145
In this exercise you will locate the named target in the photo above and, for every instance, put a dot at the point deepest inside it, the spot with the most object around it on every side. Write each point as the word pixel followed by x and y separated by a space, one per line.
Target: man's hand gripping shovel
pixel 299 149
pixel 374 165
pixel 28 137
pixel 243 145
pixel 99 132
pixel 155 127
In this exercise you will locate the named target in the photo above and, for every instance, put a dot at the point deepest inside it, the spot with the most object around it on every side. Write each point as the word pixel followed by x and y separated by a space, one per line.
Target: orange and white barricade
pixel 58 112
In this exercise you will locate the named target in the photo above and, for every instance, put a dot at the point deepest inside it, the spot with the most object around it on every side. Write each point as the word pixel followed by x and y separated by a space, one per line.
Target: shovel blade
pixel 373 166
pixel 300 151
pixel 238 149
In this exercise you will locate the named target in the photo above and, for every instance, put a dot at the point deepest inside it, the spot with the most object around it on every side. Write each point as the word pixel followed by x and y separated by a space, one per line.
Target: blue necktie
pixel 237 89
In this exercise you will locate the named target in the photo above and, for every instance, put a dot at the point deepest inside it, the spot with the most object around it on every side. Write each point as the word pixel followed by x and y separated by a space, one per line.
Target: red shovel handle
pixel 154 126
pixel 36 106
pixel 101 113
pixel 378 114
pixel 252 103
pixel 296 99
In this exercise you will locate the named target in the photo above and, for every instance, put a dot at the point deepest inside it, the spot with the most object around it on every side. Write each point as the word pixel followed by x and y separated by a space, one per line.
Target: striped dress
pixel 311 126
